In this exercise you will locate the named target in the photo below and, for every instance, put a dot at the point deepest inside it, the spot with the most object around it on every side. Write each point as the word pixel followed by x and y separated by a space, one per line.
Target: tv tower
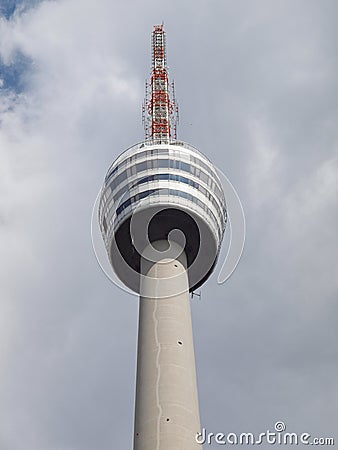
pixel 162 217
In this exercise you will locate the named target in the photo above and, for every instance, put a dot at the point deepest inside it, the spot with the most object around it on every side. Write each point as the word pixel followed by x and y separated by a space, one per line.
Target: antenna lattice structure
pixel 160 109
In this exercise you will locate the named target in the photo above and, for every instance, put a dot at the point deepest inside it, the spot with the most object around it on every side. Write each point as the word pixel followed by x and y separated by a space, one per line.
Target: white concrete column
pixel 166 407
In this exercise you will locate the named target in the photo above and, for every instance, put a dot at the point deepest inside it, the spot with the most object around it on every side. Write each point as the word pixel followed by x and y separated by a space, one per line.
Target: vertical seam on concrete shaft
pixel 158 376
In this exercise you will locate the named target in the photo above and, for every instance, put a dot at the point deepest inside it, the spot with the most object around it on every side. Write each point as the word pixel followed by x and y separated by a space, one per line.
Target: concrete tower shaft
pixel 166 408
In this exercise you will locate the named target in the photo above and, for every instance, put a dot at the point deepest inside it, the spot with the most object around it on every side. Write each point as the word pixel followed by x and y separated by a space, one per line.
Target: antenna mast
pixel 160 110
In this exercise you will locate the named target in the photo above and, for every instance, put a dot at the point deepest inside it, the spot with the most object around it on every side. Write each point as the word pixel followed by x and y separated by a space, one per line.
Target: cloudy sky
pixel 256 83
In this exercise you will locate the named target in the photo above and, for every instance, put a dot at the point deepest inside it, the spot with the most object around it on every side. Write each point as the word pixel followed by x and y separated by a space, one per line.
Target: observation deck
pixel 152 189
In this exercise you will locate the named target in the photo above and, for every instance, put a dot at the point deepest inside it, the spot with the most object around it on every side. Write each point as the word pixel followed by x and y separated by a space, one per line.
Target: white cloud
pixel 313 197
pixel 264 164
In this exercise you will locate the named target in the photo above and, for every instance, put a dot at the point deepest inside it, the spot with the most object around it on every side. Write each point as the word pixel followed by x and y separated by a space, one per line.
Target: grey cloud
pixel 256 85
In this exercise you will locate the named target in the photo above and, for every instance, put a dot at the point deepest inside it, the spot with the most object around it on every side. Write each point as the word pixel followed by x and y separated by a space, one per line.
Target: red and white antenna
pixel 160 110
